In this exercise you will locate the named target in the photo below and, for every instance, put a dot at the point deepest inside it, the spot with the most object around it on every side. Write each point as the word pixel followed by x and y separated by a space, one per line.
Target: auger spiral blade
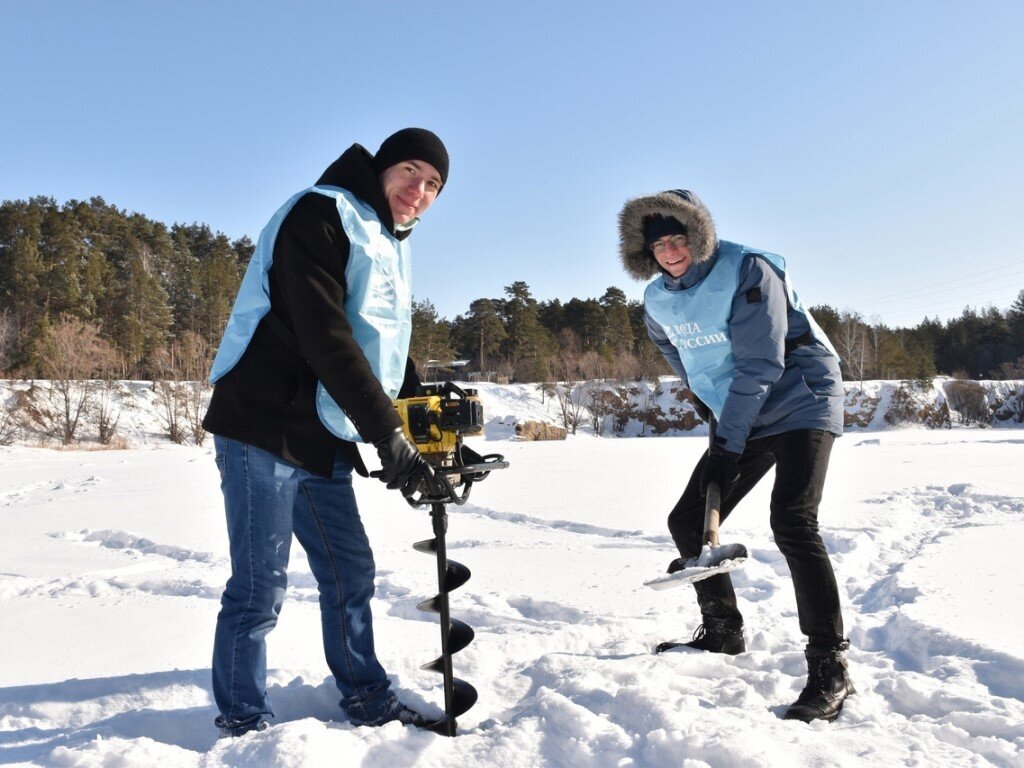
pixel 427 546
pixel 460 636
pixel 459 695
pixel 430 605
pixel 455 576
pixel 463 700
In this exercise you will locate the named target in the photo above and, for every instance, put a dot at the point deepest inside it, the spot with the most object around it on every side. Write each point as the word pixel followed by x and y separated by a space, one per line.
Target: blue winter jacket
pixel 771 391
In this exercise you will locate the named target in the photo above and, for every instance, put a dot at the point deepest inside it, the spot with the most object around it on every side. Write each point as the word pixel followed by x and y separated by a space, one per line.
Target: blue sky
pixel 877 146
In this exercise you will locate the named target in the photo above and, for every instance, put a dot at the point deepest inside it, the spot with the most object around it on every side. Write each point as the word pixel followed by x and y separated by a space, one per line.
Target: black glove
pixel 722 467
pixel 402 465
pixel 700 409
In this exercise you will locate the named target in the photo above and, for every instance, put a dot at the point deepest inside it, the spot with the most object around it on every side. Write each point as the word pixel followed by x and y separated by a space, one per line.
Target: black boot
pixel 230 729
pixel 713 635
pixel 828 685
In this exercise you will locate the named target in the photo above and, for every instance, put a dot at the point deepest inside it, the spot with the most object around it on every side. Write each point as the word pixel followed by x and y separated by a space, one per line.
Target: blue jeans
pixel 266 500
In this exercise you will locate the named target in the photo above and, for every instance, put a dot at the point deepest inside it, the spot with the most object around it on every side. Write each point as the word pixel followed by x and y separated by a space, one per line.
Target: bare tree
pixel 601 403
pixel 107 396
pixel 183 366
pixel 567 368
pixel 71 352
pixel 647 398
pixel 590 365
pixel 1012 370
pixel 195 355
pixel 108 410
pixel 10 426
pixel 571 397
pixel 875 333
pixel 851 344
pixel 171 395
pixel 968 398
pixel 626 366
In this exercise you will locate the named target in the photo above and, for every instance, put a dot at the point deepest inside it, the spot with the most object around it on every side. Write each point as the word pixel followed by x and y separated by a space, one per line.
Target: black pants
pixel 801 462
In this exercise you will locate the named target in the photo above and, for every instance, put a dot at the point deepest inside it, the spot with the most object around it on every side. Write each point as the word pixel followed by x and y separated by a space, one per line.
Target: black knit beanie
pixel 412 144
pixel 658 226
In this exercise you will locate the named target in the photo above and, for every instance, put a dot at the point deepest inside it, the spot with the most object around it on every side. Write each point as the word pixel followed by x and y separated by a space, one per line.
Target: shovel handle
pixel 712 514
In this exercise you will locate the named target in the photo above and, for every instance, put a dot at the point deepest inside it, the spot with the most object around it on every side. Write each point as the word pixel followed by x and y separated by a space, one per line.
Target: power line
pixel 1000 278
pixel 959 303
pixel 952 305
pixel 960 283
pixel 945 282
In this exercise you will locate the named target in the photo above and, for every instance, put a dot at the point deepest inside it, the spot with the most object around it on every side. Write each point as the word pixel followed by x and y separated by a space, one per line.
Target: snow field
pixel 113 563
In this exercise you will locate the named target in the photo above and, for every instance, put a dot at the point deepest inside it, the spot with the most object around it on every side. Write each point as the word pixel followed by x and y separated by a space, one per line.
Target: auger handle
pixel 444 493
pixel 442 490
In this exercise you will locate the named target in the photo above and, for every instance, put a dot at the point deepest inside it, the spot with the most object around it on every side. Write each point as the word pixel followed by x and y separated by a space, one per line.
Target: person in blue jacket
pixel 766 377
pixel 314 351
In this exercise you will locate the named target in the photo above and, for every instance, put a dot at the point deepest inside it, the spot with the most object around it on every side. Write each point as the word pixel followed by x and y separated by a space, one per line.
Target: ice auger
pixel 436 421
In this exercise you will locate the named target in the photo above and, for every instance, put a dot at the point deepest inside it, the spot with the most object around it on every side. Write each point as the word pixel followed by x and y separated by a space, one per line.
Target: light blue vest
pixel 696 321
pixel 378 302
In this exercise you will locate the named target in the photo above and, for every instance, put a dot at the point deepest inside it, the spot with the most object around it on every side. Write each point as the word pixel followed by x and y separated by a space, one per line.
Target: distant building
pixel 435 370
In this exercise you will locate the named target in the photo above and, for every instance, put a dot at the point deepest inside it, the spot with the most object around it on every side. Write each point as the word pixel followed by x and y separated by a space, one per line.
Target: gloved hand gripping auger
pixel 436 423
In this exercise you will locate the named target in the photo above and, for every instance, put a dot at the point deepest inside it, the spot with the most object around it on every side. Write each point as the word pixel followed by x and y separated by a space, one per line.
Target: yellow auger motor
pixel 438 417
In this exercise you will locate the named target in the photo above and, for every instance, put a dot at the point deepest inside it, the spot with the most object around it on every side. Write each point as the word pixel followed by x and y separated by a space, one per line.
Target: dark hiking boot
pixel 828 686
pixel 408 716
pixel 395 710
pixel 714 636
pixel 230 729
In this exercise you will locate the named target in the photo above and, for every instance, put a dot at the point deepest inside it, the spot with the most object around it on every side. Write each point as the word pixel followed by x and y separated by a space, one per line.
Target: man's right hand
pixel 722 467
pixel 402 465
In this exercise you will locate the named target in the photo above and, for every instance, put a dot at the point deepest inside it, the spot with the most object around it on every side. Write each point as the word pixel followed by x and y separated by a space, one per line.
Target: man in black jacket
pixel 314 351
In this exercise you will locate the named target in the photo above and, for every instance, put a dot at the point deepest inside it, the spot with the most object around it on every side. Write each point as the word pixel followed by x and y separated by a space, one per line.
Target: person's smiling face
pixel 672 252
pixel 410 187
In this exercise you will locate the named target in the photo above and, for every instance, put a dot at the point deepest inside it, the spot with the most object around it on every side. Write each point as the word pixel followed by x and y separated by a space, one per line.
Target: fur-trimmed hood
pixel 682 205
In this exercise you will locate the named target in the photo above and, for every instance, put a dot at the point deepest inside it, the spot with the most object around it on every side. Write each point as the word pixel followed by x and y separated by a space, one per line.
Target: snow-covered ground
pixel 112 562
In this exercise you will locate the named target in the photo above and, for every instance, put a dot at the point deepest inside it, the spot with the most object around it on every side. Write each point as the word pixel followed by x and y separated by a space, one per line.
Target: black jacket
pixel 269 398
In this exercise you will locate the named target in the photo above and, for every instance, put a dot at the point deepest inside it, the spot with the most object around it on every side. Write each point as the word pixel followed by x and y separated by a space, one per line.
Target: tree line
pixel 149 297
pixel 150 301
pixel 521 339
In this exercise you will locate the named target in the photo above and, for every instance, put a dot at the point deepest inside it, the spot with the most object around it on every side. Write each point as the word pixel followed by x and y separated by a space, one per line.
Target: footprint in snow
pixel 129 542
pixel 544 610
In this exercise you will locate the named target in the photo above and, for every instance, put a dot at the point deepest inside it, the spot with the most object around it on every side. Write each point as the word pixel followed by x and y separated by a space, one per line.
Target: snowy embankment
pixel 113 561
pixel 35 412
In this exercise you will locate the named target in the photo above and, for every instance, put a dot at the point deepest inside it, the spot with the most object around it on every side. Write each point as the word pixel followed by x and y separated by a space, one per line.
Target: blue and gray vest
pixel 696 321
pixel 378 301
